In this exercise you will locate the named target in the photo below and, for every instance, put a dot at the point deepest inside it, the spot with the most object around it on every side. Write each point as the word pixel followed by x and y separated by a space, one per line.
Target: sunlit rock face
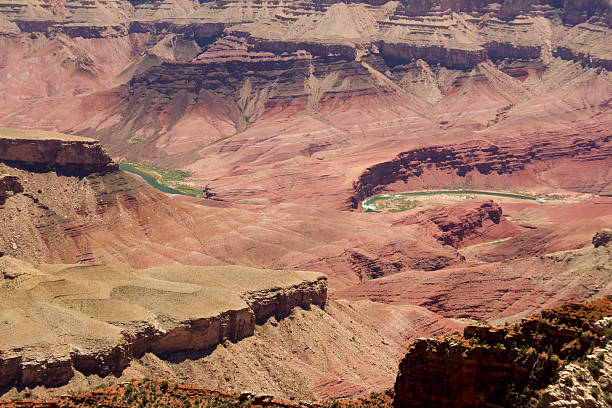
pixel 281 100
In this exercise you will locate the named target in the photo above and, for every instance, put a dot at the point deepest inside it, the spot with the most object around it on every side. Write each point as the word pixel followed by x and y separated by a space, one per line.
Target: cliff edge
pixel 96 319
pixel 516 365
pixel 43 151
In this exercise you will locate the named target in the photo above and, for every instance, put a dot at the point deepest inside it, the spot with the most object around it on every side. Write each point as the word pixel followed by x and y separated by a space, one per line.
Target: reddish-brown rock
pixel 49 151
pixel 464 161
pixel 497 366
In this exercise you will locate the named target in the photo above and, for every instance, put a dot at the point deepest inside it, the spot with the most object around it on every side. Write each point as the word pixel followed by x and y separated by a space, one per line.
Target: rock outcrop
pixel 41 151
pixel 603 237
pixel 455 228
pixel 9 185
pixel 471 164
pixel 97 319
pixel 585 384
pixel 503 366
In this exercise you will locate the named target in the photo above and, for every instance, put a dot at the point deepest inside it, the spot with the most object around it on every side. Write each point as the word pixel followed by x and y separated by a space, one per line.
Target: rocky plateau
pixel 282 117
pixel 96 319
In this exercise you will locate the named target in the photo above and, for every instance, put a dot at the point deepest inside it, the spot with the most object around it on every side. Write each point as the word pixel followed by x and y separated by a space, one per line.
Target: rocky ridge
pixel 123 314
pixel 504 366
pixel 41 151
pixel 471 164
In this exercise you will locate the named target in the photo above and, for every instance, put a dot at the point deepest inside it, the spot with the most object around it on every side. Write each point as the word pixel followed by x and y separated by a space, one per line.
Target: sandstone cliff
pixel 504 366
pixel 95 320
pixel 41 151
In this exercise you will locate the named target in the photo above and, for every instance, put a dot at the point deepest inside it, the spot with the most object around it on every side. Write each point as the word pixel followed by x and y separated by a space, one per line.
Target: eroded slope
pixel 96 319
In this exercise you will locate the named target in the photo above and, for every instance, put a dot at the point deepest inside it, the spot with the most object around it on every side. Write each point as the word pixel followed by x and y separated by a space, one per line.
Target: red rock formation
pixel 46 151
pixel 458 228
pixel 461 161
pixel 497 366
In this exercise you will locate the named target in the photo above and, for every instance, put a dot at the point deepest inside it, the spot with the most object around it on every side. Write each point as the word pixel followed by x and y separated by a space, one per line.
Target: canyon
pixel 285 116
pixel 120 314
pixel 292 103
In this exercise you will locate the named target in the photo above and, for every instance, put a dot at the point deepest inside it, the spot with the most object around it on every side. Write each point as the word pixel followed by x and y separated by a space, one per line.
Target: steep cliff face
pixel 473 163
pixel 48 151
pixel 500 366
pixel 160 311
pixel 210 87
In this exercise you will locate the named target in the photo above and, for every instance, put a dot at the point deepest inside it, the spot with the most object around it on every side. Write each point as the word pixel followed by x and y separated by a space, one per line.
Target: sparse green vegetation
pixel 594 366
pixel 166 180
pixel 162 394
pixel 402 201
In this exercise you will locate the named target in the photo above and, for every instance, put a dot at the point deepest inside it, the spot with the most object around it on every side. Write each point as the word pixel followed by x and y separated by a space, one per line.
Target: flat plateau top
pixel 32 134
pixel 88 306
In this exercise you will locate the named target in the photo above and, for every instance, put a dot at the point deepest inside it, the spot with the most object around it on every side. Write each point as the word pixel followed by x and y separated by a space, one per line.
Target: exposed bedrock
pixel 401 53
pixel 9 185
pixel 571 12
pixel 476 157
pixel 49 151
pixel 60 326
pixel 456 225
pixel 583 57
pixel 499 366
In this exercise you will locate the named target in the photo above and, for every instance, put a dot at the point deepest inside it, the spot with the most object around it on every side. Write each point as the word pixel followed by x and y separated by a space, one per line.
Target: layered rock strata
pixel 192 85
pixel 67 318
pixel 459 226
pixel 41 151
pixel 462 162
pixel 499 366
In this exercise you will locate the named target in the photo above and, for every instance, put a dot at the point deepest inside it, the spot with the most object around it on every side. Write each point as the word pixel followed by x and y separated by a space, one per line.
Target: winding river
pixel 369 203
pixel 149 179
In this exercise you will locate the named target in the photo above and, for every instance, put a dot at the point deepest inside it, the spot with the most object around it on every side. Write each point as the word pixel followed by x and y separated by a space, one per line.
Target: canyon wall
pixel 459 162
pixel 48 151
pixel 503 366
pixel 229 89
pixel 195 309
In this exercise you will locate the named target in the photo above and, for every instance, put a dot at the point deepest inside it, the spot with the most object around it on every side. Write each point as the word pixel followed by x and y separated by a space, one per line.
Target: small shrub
pixel 568 381
pixel 163 386
pixel 595 367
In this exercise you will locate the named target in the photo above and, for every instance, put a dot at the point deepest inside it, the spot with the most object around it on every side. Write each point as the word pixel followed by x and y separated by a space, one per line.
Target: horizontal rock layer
pixel 48 151
pixel 473 157
pixel 97 319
